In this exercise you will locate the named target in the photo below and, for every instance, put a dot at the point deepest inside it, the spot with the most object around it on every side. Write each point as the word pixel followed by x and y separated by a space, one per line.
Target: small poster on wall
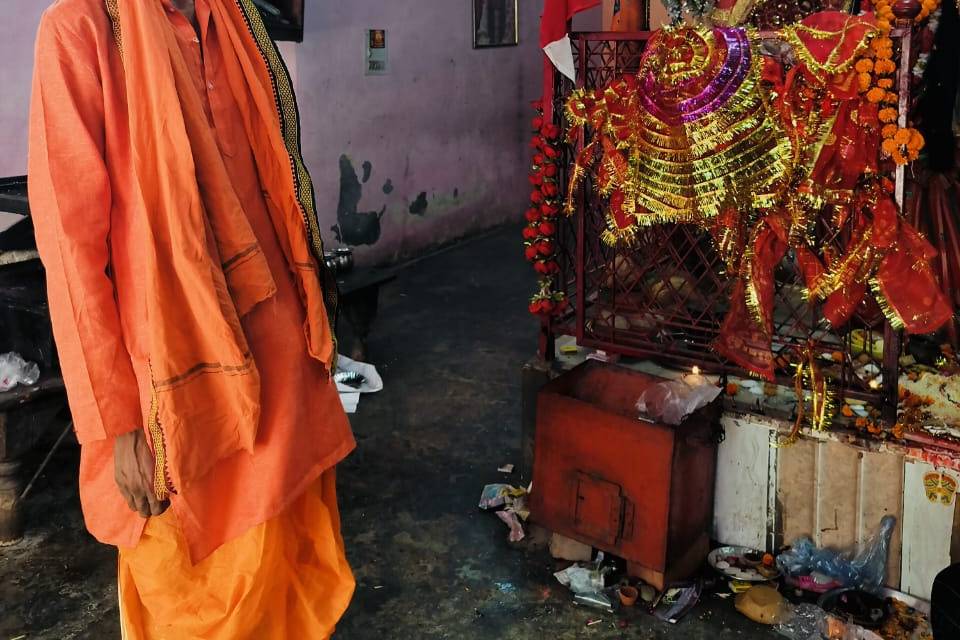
pixel 495 23
pixel 376 58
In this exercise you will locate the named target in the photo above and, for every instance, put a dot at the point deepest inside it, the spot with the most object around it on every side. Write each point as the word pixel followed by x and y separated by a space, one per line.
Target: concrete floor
pixel 452 335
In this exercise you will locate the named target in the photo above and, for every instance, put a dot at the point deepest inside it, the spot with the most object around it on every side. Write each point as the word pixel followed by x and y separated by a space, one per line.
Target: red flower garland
pixel 539 246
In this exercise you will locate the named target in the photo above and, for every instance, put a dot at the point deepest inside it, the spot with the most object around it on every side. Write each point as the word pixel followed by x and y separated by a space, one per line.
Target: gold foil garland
pixel 685 173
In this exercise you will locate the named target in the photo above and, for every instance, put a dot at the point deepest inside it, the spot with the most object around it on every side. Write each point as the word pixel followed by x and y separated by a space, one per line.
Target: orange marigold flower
pixel 874 428
pixel 899 158
pixel 883 25
pixel 885 67
pixel 902 136
pixel 875 95
pixel 883 42
pixel 890 146
pixel 884 54
pixel 732 389
pixel 860 423
pixel 916 140
pixel 890 97
pixel 847 411
pixel 889 130
pixel 885 83
pixel 837 356
pixel 863 80
pixel 864 65
pixel 888 115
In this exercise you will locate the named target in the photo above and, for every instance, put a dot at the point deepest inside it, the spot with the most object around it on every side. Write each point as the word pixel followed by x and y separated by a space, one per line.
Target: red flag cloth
pixel 556 15
pixel 553 27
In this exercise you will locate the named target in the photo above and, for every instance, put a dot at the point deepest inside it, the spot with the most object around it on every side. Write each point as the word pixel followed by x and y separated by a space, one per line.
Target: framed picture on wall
pixel 495 23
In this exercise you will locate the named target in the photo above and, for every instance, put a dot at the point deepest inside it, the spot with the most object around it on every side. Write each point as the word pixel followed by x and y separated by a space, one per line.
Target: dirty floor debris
pixel 451 336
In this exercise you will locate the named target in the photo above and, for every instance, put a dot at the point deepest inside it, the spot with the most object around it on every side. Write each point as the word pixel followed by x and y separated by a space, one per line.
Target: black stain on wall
pixel 456 193
pixel 419 206
pixel 355 227
pixel 388 186
pixel 367 170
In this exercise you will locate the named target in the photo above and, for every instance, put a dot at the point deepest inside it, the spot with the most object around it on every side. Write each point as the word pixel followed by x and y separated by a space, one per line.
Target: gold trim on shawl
pixel 114 12
pixel 288 112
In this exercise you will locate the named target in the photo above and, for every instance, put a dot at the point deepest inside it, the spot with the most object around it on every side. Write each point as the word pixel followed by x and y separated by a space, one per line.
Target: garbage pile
pixel 803 593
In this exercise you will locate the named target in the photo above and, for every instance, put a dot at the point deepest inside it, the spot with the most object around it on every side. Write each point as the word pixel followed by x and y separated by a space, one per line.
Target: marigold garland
pixel 875 78
pixel 540 232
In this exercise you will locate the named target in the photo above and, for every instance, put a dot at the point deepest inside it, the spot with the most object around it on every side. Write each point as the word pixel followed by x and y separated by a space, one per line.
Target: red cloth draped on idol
pixel 835 130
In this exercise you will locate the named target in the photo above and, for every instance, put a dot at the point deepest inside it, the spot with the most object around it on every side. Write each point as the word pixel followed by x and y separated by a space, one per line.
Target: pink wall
pixel 447 125
pixel 448 122
pixel 17 31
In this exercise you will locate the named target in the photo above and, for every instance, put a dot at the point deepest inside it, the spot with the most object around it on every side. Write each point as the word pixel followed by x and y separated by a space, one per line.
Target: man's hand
pixel 133 470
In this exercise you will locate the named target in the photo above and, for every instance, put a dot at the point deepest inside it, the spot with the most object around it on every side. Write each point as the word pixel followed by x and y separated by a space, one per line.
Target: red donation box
pixel 639 490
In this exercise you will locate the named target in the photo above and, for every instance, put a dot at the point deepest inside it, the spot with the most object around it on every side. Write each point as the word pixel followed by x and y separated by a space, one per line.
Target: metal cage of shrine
pixel 665 297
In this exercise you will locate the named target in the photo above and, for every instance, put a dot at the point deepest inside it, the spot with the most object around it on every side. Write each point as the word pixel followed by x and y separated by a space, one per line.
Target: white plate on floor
pixel 719 559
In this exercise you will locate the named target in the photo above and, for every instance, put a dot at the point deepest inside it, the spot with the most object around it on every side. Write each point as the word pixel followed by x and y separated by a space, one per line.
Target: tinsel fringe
pixel 888 311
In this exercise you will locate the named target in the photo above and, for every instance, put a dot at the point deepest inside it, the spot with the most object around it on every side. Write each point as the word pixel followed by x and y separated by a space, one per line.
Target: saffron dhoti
pixel 285 578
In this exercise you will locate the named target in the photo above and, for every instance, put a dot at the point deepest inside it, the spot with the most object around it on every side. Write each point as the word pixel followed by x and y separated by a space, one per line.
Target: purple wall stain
pixel 355 227
pixel 419 206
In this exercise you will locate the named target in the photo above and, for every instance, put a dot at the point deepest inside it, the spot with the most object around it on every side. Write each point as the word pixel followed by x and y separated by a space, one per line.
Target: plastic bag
pixel 670 402
pixel 15 370
pixel 802 623
pixel 867 570
pixel 580 579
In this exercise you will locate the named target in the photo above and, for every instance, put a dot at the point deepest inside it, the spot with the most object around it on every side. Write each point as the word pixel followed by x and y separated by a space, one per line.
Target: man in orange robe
pixel 192 312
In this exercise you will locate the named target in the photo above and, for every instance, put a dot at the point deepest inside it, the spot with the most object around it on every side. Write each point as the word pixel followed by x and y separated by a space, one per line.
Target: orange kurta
pixel 87 226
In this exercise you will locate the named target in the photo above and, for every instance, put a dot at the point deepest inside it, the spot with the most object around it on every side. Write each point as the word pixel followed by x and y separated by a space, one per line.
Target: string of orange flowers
pixel 876 75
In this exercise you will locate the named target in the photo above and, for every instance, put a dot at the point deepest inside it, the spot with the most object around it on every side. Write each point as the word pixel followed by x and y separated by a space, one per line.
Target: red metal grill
pixel 665 298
